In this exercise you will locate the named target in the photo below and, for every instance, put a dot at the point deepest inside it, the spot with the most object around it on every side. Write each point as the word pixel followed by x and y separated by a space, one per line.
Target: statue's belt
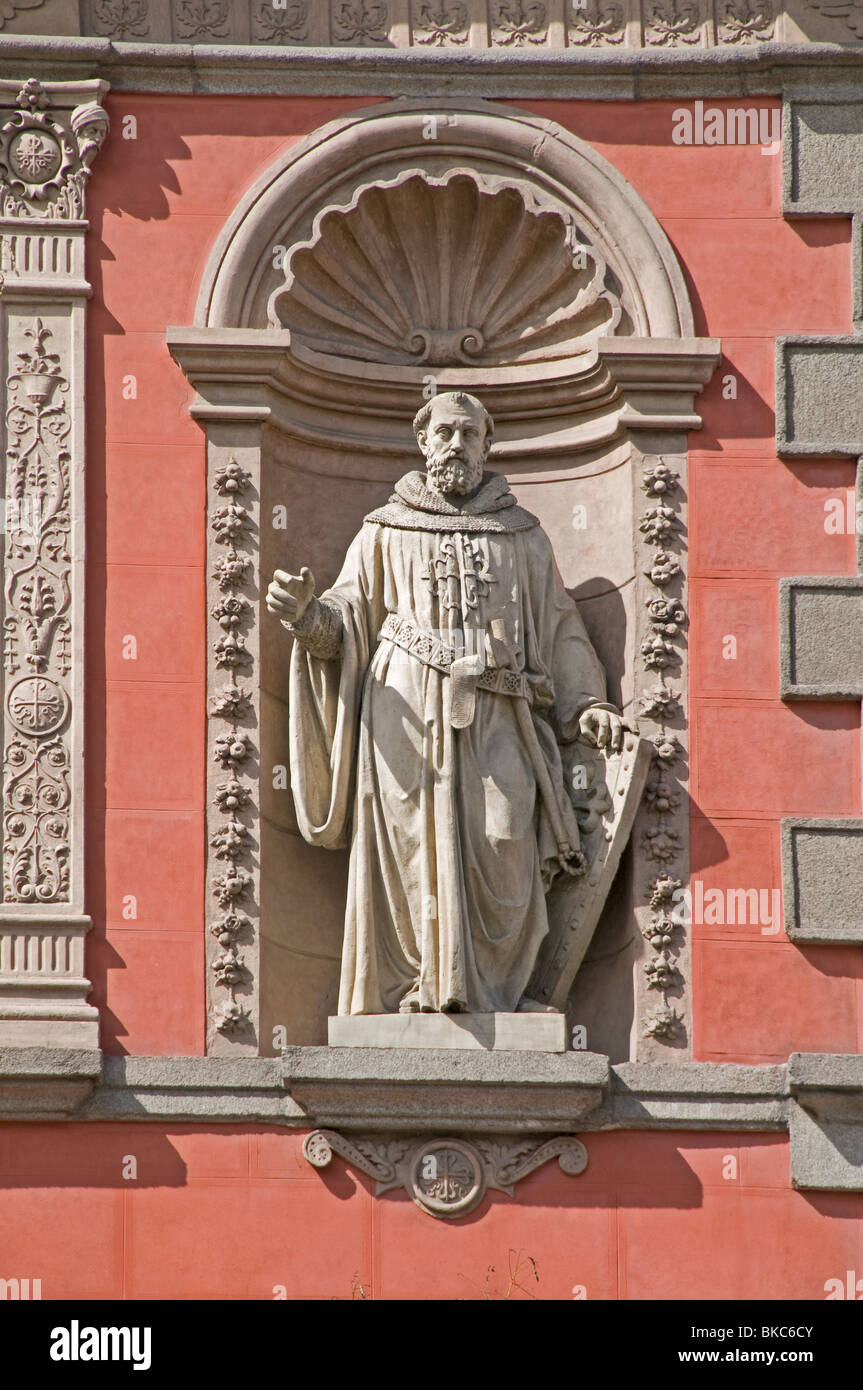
pixel 466 670
pixel 468 674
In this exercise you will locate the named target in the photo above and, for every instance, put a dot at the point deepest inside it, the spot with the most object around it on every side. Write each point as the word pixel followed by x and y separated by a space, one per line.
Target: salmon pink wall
pixel 236 1213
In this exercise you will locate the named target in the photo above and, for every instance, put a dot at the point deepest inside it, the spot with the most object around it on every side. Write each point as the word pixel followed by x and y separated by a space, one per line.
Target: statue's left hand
pixel 602 728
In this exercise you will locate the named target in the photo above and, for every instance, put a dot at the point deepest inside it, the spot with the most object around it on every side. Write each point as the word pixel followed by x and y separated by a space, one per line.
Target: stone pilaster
pixel 49 137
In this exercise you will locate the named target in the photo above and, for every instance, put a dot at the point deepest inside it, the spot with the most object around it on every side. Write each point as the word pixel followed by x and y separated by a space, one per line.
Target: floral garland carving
pixel 231 839
pixel 588 23
pixel 360 21
pixel 739 21
pixel 122 19
pixel 660 654
pixel 597 22
pixel 288 25
pixel 516 22
pixel 672 22
pixel 436 22
pixel 202 19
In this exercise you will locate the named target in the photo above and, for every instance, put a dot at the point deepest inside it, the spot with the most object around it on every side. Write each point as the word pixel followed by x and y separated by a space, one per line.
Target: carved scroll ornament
pixel 447 1178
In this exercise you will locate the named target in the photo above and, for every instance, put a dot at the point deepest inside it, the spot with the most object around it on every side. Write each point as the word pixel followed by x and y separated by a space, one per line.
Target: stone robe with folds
pixel 452 847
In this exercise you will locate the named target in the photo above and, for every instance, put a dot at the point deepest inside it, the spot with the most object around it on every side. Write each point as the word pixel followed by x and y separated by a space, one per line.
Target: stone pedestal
pixel 491 1032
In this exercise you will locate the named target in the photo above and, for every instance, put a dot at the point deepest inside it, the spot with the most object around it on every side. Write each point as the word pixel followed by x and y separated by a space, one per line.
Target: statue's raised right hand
pixel 289 595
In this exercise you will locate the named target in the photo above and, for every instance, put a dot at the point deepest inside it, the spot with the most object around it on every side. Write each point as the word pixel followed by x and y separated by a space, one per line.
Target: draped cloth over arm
pixel 325 700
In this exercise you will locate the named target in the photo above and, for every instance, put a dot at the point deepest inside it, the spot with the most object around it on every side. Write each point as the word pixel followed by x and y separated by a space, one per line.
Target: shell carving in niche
pixel 446 271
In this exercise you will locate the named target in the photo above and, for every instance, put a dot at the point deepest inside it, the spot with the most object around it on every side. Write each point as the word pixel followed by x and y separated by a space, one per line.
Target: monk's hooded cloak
pixel 428 690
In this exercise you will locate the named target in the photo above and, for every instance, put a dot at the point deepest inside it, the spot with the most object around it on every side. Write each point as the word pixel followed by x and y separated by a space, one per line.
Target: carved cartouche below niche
pixel 447 1178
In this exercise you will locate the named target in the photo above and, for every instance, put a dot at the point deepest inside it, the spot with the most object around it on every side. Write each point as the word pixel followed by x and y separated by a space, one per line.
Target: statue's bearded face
pixel 455 447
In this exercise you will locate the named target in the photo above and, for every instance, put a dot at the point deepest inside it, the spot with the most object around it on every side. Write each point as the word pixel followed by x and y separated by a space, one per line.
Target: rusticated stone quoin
pixel 822 868
pixel 819 379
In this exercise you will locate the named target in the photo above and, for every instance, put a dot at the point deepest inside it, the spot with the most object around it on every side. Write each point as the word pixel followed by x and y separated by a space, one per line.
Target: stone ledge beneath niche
pixel 46 1083
pixel 192 1090
pixel 695 1095
pixel 300 1090
pixel 422 1090
pixel 454 1090
pixel 472 1091
pixel 817 1097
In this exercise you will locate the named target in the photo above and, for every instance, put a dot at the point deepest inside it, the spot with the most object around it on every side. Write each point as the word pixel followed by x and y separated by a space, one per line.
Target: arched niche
pixel 409 248
pixel 499 147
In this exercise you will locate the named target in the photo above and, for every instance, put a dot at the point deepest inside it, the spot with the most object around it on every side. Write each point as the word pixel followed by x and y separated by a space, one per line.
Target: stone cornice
pixel 364 1087
pixel 698 1095
pixel 404 1089
pixel 261 375
pixel 603 73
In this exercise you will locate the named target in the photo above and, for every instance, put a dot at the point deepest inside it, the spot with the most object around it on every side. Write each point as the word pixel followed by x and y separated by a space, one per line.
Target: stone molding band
pixel 814 1096
pixel 511 26
pixel 612 73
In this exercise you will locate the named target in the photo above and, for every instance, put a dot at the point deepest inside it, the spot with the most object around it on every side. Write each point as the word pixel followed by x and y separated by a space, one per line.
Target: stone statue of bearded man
pixel 431 688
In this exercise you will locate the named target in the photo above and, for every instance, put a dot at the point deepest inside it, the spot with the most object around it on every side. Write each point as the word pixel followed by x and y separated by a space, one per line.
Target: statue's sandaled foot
pixel 410 1003
pixel 533 1006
